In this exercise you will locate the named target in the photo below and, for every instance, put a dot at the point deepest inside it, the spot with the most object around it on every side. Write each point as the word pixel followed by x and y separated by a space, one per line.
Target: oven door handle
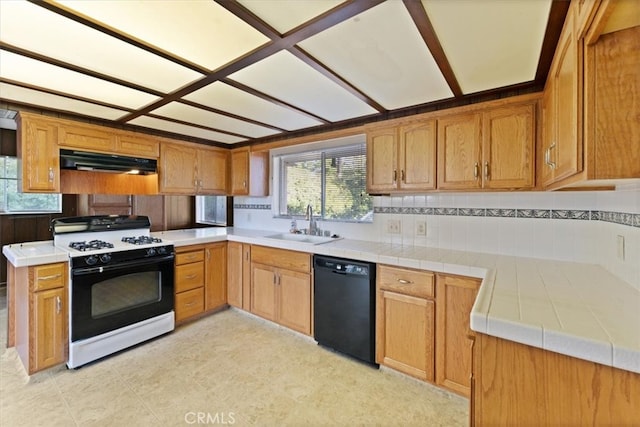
pixel 120 266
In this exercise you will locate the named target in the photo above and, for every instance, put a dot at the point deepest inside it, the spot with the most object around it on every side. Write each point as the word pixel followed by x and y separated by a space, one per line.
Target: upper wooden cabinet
pixel 401 158
pixel 186 169
pixel 137 145
pixel 249 173
pixel 492 149
pixel 37 150
pixel 86 137
pixel 459 151
pixel 590 104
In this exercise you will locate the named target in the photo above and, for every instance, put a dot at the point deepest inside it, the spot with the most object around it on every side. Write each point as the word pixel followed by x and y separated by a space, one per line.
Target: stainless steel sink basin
pixel 303 238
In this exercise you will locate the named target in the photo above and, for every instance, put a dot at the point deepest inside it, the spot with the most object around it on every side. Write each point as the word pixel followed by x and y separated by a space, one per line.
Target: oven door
pixel 107 298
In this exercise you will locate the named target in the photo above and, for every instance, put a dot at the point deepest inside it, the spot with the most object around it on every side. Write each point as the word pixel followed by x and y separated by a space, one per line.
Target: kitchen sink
pixel 303 238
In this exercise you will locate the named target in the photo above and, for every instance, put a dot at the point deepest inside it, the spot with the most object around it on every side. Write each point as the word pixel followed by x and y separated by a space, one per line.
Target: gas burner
pixel 90 246
pixel 141 240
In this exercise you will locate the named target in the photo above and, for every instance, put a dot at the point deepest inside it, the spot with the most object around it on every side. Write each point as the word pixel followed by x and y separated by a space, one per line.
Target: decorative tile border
pixel 247 206
pixel 621 218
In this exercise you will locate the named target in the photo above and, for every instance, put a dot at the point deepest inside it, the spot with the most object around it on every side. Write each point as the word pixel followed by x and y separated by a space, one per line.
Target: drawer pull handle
pixel 476 169
pixel 404 282
pixel 191 304
pixel 191 276
pixel 53 276
pixel 58 305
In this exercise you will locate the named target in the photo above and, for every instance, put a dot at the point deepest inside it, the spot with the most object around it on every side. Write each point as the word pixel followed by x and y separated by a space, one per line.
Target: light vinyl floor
pixel 229 368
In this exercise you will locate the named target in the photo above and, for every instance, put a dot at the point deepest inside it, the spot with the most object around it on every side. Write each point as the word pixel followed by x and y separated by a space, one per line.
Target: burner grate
pixel 91 245
pixel 141 240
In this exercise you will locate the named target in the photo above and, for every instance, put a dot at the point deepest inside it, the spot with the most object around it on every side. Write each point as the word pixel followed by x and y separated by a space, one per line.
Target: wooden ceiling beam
pixel 423 23
pixel 557 15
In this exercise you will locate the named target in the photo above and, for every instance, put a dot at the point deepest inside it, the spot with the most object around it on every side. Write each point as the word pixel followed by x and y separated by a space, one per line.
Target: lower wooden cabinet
pixel 239 275
pixel 454 339
pixel 517 385
pixel 405 323
pixel 200 279
pixel 281 287
pixel 41 313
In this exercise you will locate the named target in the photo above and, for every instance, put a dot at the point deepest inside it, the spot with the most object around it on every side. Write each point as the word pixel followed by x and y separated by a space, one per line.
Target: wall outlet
pixel 421 228
pixel 393 226
pixel 620 247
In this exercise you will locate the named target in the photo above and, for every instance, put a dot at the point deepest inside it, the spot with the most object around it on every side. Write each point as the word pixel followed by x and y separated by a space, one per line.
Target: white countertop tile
pixel 581 310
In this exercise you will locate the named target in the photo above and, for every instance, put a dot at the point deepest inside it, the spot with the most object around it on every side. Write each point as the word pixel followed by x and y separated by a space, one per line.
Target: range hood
pixel 98 162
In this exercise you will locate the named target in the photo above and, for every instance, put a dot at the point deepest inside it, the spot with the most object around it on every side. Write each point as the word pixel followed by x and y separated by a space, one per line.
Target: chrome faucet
pixel 312 223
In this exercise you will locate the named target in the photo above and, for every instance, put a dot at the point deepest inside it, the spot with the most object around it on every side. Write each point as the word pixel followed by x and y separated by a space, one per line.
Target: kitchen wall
pixel 580 226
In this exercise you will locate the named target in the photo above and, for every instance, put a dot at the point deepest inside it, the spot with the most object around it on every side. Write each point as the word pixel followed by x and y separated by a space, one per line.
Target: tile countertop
pixel 580 310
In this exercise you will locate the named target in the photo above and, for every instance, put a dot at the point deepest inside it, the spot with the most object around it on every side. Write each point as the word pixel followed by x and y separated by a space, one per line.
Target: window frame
pixel 302 150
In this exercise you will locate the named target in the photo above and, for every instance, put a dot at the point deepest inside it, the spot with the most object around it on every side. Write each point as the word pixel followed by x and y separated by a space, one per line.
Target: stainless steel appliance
pixel 121 289
pixel 344 306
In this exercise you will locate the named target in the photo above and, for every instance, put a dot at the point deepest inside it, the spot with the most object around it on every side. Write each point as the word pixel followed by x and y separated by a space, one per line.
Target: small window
pixel 331 180
pixel 14 202
pixel 211 210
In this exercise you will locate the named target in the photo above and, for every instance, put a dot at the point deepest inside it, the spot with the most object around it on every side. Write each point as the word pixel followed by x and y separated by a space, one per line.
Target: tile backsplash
pixel 579 226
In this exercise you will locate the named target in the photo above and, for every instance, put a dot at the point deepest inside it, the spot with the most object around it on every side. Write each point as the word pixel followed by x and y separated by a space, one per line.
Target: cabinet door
pixel 454 298
pixel 40 160
pixel 459 140
pixel 382 152
pixel 407 334
pixel 234 274
pixel 294 305
pixel 215 275
pixel 566 75
pixel 49 319
pixel 263 291
pixel 89 138
pixel 212 172
pixel 240 172
pixel 246 277
pixel 418 156
pixel 508 147
pixel 137 145
pixel 177 169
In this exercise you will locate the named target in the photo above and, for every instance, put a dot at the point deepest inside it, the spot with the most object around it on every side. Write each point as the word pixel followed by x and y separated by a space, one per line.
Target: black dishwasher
pixel 344 306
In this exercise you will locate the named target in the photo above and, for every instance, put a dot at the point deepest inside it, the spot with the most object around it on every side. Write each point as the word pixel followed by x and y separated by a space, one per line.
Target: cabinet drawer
pixel 189 303
pixel 189 276
pixel 48 276
pixel 188 257
pixel 290 260
pixel 406 281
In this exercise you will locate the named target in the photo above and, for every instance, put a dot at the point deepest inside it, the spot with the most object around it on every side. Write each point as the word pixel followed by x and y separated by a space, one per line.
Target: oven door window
pixel 125 293
pixel 103 301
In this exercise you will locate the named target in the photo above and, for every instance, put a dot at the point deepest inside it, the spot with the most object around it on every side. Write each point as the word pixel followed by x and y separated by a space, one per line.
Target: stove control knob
pixel 151 252
pixel 162 250
pixel 91 260
pixel 105 258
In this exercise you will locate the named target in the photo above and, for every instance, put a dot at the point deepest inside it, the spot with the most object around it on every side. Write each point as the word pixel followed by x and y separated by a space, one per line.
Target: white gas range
pixel 121 284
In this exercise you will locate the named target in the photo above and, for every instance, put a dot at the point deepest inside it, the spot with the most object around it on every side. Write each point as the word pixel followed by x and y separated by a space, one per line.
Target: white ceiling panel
pixel 60 103
pixel 30 71
pixel 179 128
pixel 187 113
pixel 202 32
pixel 227 98
pixel 382 53
pixel 490 43
pixel 285 15
pixel 285 77
pixel 88 48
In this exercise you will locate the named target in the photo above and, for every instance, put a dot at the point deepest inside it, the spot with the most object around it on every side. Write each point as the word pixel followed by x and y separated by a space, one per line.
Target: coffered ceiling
pixel 228 72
